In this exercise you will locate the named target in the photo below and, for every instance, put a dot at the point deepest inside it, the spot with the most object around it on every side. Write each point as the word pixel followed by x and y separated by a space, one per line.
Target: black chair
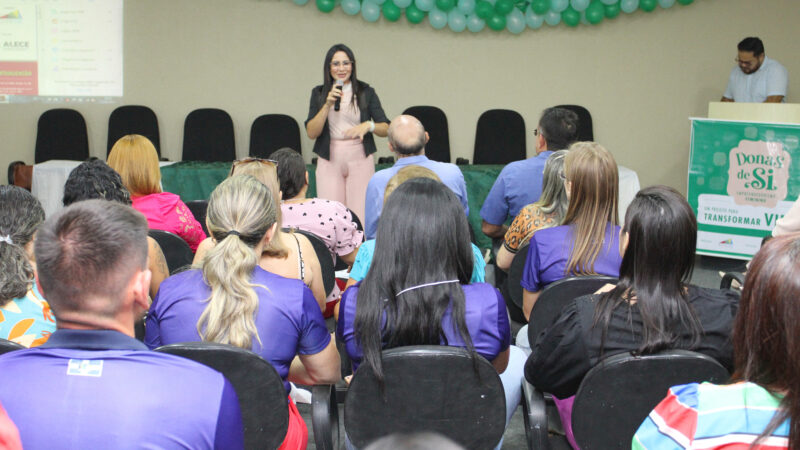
pixel 499 138
pixel 432 388
pixel 555 296
pixel 585 129
pixel 435 122
pixel 262 397
pixel 325 258
pixel 198 209
pixel 208 136
pixel 9 346
pixel 176 251
pixel 271 132
pixel 616 396
pixel 513 290
pixel 61 134
pixel 728 279
pixel 133 119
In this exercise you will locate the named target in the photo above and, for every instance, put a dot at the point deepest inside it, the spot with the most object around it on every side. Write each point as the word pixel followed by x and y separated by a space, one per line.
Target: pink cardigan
pixel 165 211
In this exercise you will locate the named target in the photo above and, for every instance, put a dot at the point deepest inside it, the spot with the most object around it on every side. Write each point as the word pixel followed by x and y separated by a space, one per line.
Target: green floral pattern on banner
pixel 512 15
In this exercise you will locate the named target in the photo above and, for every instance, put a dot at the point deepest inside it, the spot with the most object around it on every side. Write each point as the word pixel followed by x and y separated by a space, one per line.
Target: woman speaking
pixel 343 115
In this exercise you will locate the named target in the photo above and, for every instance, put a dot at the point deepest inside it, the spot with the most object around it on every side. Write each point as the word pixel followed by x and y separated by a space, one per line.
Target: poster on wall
pixel 743 176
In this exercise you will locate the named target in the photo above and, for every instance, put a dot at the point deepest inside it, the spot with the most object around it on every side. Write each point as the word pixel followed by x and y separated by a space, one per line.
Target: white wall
pixel 641 75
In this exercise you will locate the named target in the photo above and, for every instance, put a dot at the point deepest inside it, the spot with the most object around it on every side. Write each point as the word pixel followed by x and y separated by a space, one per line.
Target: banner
pixel 741 180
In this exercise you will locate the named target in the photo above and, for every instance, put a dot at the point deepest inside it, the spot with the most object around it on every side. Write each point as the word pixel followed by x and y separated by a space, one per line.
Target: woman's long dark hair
pixel 766 335
pixel 657 264
pixel 327 80
pixel 423 237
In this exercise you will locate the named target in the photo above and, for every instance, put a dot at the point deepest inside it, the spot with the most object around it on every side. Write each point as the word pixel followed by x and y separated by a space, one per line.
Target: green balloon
pixel 391 11
pixel 648 5
pixel 446 5
pixel 414 14
pixel 612 10
pixel 326 6
pixel 571 17
pixel 496 22
pixel 540 7
pixel 503 7
pixel 595 12
pixel 685 2
pixel 483 9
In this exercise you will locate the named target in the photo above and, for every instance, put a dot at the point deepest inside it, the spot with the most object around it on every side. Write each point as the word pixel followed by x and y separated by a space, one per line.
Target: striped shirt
pixel 708 416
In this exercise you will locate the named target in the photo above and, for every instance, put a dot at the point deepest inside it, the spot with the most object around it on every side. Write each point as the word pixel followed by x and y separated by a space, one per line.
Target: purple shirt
pixel 330 220
pixel 102 389
pixel 549 252
pixel 288 319
pixel 518 185
pixel 485 315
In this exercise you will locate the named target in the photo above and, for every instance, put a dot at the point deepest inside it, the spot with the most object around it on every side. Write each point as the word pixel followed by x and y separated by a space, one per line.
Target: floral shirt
pixel 529 219
pixel 28 320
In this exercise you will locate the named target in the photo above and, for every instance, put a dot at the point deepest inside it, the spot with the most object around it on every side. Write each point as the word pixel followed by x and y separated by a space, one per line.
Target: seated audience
pixel 95 179
pixel 520 183
pixel 365 252
pixel 231 300
pixel 548 212
pixel 407 139
pixel 92 385
pixel 135 159
pixel 588 241
pixel 760 408
pixel 287 254
pixel 417 291
pixel 652 307
pixel 25 316
pixel 330 220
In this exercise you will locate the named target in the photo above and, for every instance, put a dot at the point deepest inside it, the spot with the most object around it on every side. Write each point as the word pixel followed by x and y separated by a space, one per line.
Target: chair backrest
pixel 61 134
pixel 500 137
pixel 133 119
pixel 325 258
pixel 262 397
pixel 585 129
pixel 515 275
pixel 435 122
pixel 176 251
pixel 556 295
pixel 271 132
pixel 617 394
pixel 9 346
pixel 427 388
pixel 208 136
pixel 198 209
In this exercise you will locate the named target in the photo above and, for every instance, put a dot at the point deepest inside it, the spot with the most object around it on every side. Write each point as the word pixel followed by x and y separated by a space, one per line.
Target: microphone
pixel 339 86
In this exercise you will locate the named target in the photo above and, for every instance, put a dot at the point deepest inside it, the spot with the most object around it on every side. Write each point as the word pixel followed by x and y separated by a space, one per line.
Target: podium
pixel 744 174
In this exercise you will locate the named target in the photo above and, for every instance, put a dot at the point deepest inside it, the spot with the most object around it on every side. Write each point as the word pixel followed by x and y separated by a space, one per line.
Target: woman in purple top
pixel 420 275
pixel 231 300
pixel 588 241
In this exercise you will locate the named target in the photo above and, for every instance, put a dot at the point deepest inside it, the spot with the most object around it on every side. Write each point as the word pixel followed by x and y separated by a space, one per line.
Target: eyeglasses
pixel 241 162
pixel 537 132
pixel 345 64
pixel 745 63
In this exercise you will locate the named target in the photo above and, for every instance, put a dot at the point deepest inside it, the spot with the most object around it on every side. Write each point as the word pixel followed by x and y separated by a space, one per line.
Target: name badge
pixel 85 367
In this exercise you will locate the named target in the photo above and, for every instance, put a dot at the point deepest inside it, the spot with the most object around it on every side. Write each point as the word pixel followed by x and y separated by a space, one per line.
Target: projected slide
pixel 60 50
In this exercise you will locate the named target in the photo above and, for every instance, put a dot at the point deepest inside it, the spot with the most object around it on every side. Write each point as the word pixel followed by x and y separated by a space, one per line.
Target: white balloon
pixel 300 2
pixel 475 23
pixel 515 21
pixel 629 6
pixel 579 5
pixel 402 4
pixel 437 18
pixel 351 7
pixel 559 5
pixel 552 18
pixel 466 7
pixel 532 19
pixel 456 21
pixel 666 3
pixel 425 5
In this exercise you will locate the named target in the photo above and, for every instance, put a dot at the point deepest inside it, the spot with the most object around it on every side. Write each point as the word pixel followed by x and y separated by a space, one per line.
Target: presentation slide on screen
pixel 60 50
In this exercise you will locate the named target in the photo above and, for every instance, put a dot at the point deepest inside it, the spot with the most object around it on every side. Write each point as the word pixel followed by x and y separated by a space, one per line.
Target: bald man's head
pixel 407 136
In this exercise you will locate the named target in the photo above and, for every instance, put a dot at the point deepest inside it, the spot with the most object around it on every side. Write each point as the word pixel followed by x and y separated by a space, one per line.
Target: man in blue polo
pixel 407 139
pixel 92 385
pixel 520 182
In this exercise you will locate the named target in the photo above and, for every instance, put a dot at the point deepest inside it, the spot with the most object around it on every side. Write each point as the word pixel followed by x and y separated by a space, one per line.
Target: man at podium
pixel 757 78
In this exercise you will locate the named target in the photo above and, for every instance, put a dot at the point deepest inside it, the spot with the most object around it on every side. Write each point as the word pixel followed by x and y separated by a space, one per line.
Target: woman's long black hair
pixel 327 80
pixel 422 237
pixel 656 266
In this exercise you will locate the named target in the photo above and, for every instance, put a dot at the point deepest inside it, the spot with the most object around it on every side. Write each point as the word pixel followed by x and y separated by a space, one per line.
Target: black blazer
pixel 369 106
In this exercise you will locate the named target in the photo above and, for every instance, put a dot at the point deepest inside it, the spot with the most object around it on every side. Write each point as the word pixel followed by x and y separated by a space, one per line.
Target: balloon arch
pixel 513 15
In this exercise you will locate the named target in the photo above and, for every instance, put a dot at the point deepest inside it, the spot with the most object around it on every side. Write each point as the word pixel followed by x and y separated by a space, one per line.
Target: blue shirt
pixel 102 389
pixel 450 175
pixel 485 315
pixel 288 319
pixel 364 260
pixel 549 252
pixel 519 184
